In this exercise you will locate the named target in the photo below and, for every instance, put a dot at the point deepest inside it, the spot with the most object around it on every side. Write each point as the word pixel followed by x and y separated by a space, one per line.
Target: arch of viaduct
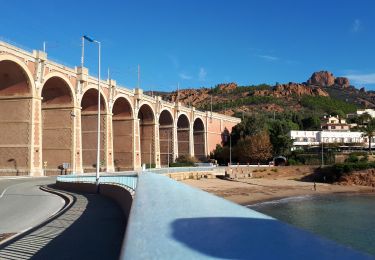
pixel 48 116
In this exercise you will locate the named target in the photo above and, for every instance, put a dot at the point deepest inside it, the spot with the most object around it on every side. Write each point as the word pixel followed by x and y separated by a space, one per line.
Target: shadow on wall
pixel 248 238
pixel 15 165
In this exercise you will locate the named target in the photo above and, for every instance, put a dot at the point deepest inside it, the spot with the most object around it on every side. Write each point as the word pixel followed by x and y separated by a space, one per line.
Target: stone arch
pixel 123 139
pixel 166 137
pixel 57 125
pixel 146 119
pixel 183 135
pixel 7 63
pixel 63 78
pixel 103 98
pixel 16 106
pixel 89 117
pixel 199 139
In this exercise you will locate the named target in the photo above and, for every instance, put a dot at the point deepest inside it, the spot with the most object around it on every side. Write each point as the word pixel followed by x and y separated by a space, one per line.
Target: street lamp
pixel 230 149
pixel 82 61
pixel 322 151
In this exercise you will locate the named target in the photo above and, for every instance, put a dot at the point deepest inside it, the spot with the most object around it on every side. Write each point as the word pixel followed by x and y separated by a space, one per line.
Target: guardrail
pixel 181 169
pixel 128 180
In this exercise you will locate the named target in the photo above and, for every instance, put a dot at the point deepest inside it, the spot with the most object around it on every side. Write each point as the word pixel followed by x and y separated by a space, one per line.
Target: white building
pixel 369 111
pixel 359 112
pixel 314 138
pixel 333 123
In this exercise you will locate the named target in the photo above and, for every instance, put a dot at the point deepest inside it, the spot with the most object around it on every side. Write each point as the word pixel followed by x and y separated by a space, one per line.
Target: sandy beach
pixel 267 186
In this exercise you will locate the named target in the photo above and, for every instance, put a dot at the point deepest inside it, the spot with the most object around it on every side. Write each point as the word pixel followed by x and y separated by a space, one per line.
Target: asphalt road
pixel 23 205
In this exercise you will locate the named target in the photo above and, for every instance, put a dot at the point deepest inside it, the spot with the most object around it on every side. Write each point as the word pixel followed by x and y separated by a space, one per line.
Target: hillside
pixel 321 94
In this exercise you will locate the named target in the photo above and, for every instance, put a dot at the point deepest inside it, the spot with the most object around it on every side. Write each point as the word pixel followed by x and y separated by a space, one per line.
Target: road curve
pixel 23 205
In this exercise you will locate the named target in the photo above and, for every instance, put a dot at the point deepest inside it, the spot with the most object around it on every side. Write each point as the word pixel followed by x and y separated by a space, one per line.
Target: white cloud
pixel 362 78
pixel 356 25
pixel 184 76
pixel 268 57
pixel 202 74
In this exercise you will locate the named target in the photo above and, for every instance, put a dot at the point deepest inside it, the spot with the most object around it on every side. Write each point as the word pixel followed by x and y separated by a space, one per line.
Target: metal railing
pixel 128 180
pixel 181 169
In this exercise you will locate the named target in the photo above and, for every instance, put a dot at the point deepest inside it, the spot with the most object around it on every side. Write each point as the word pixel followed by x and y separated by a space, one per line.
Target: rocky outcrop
pixel 228 87
pixel 322 79
pixel 298 89
pixel 190 96
pixel 327 79
pixel 285 90
pixel 342 82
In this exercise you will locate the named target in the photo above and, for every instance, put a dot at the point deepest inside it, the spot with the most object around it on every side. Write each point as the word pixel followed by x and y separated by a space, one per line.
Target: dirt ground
pixel 270 184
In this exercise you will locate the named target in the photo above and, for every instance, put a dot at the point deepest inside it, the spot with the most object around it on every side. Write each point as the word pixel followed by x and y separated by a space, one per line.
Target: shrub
pixel 180 164
pixel 359 153
pixel 184 161
pixel 152 165
pixel 352 158
pixel 293 162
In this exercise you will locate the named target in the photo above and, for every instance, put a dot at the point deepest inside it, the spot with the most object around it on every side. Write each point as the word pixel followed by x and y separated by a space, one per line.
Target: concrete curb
pixel 69 201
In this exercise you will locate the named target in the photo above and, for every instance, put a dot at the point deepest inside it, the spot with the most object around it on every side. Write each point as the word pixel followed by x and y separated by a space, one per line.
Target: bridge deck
pixel 170 220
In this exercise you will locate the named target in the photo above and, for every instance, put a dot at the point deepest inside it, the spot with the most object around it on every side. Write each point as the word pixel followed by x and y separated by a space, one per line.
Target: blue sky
pixel 203 43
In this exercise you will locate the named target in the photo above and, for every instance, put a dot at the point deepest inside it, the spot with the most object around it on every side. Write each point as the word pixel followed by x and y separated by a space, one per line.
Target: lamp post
pixel 230 149
pixel 322 151
pixel 82 61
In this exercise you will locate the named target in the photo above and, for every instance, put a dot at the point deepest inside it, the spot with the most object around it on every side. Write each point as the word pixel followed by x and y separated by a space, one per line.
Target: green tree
pixel 365 118
pixel 369 132
pixel 249 126
pixel 255 148
pixel 311 123
pixel 279 135
pixel 221 154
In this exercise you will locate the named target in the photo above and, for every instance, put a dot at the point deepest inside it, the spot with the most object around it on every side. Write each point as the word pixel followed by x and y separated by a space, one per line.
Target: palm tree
pixel 365 118
pixel 369 131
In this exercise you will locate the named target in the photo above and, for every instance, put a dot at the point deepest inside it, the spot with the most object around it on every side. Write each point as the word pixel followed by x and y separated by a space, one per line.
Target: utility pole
pixel 168 151
pixel 230 149
pixel 178 92
pixel 211 101
pixel 322 152
pixel 139 76
pixel 150 154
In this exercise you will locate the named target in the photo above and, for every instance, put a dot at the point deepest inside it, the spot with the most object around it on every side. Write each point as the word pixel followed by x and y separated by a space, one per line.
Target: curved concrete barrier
pixel 119 194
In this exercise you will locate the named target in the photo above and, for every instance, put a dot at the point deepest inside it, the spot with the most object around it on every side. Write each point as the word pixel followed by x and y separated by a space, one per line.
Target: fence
pixel 128 180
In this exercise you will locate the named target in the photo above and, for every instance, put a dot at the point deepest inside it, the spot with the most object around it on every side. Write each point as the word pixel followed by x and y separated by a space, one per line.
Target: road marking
pixel 3 192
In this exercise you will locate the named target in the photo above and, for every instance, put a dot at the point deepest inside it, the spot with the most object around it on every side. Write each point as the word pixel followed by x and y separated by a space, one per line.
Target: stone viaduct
pixel 48 116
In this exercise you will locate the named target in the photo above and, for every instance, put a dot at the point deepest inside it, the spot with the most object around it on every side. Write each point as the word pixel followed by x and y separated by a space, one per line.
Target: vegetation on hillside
pixel 327 105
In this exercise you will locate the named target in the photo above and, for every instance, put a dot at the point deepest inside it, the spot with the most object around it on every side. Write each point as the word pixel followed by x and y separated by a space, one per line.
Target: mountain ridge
pixel 231 99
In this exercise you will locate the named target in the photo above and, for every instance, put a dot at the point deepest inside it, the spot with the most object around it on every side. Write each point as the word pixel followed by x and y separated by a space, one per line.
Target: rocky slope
pixel 272 98
pixel 363 178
